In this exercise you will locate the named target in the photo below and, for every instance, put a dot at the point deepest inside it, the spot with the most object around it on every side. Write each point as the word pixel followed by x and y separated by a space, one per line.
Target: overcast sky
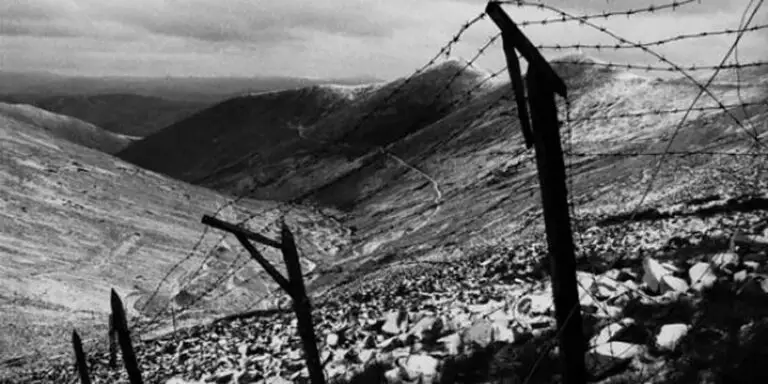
pixel 325 38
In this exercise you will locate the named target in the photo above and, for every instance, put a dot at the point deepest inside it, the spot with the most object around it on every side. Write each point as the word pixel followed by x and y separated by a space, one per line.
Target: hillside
pixel 66 127
pixel 75 222
pixel 466 181
pixel 125 114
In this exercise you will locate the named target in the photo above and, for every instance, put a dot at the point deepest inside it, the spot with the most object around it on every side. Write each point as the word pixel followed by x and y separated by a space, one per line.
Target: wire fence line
pixel 572 152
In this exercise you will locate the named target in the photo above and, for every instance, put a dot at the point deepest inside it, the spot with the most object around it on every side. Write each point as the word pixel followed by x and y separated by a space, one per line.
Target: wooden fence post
pixel 124 337
pixel 301 306
pixel 112 343
pixel 293 285
pixel 80 364
pixel 542 84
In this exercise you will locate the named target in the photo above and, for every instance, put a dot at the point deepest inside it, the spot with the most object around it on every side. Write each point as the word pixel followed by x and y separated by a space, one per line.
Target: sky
pixel 383 39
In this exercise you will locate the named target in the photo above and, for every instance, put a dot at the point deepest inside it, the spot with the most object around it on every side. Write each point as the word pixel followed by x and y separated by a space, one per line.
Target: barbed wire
pixel 667 111
pixel 671 68
pixel 682 37
pixel 604 15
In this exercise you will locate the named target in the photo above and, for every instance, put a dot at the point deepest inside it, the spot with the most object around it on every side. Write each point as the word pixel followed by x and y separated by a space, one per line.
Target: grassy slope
pixel 75 222
pixel 66 127
pixel 480 186
pixel 126 114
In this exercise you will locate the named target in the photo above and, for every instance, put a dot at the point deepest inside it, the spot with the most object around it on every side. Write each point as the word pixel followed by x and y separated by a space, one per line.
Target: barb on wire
pixel 661 111
pixel 652 43
pixel 563 18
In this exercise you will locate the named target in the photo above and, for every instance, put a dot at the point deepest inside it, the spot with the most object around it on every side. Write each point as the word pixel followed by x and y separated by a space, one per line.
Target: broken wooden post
pixel 124 338
pixel 542 83
pixel 301 306
pixel 80 365
pixel 293 285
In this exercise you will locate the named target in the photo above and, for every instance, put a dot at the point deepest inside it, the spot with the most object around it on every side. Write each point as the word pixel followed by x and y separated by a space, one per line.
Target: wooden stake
pixel 80 364
pixel 124 338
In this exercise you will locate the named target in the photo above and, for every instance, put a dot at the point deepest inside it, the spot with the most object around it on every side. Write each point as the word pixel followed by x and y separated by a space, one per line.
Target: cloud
pixel 324 38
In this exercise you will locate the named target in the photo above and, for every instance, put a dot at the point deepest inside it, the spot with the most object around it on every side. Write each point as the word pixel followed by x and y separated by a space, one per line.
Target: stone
pixel 672 283
pixel 725 260
pixel 395 322
pixel 480 333
pixel 422 367
pixel 611 331
pixel 702 276
pixel 654 272
pixel 452 343
pixel 605 356
pixel 427 329
pixel 670 335
pixel 332 340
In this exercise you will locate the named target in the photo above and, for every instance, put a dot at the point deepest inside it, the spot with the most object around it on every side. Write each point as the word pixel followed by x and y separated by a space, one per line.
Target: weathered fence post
pixel 293 285
pixel 82 367
pixel 124 338
pixel 112 343
pixel 301 306
pixel 542 84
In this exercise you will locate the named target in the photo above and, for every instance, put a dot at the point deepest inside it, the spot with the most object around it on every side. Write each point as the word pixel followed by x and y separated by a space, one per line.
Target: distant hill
pixel 126 114
pixel 65 127
pixel 197 89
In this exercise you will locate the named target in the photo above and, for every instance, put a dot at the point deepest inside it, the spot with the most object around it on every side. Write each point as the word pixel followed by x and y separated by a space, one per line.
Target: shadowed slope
pixel 65 127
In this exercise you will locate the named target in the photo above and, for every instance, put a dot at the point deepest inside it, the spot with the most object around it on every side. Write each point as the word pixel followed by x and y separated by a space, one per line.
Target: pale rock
pixel 332 340
pixel 485 309
pixel 607 355
pixel 366 355
pixel 606 311
pixel 654 272
pixel 178 380
pixel 532 305
pixel 395 322
pixel 394 375
pixel 672 283
pixel 480 333
pixel 609 332
pixel 452 343
pixel 740 276
pixel 421 367
pixel 752 265
pixel 725 260
pixel 702 276
pixel 670 335
pixel 502 332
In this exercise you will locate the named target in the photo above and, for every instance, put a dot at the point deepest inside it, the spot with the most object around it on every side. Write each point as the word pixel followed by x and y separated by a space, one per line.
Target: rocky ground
pixel 679 297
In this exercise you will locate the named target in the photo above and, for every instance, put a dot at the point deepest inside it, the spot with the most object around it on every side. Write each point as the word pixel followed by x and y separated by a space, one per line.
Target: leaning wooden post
pixel 82 367
pixel 542 84
pixel 112 343
pixel 124 338
pixel 301 306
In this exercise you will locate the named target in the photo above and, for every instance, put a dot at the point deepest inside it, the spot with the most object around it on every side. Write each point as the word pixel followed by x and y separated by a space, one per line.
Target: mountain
pixel 65 127
pixel 195 89
pixel 125 114
pixel 452 174
pixel 76 222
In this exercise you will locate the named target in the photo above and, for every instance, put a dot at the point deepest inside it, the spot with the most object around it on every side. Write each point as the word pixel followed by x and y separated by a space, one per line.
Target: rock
pixel 740 276
pixel 672 283
pixel 654 272
pixel 332 340
pixel 611 331
pixel 752 265
pixel 532 305
pixel 422 367
pixel 452 343
pixel 395 322
pixel 702 276
pixel 485 309
pixel 366 355
pixel 670 335
pixel 427 329
pixel 480 333
pixel 178 380
pixel 725 260
pixel 605 356
pixel 501 332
